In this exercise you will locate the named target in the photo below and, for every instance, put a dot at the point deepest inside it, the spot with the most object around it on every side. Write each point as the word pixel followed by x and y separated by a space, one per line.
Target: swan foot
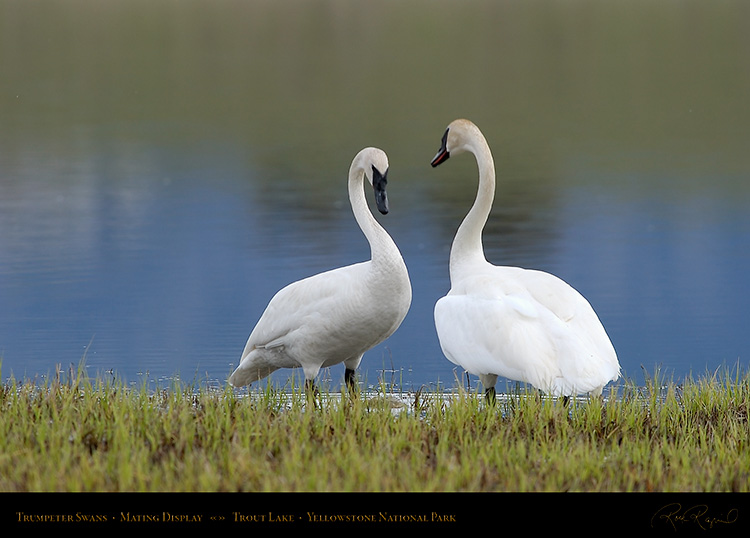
pixel 489 394
pixel 566 400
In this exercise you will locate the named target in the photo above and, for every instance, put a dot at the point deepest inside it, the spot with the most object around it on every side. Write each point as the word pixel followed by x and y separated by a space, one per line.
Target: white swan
pixel 335 316
pixel 520 324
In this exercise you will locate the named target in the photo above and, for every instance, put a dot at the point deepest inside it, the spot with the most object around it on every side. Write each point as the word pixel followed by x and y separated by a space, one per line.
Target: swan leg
pixel 488 381
pixel 350 377
pixel 312 392
pixel 350 372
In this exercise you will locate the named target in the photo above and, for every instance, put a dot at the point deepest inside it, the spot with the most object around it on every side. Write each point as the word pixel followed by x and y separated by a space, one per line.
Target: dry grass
pixel 78 434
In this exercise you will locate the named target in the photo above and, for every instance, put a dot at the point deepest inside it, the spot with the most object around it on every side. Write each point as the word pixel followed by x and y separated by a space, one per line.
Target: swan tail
pixel 248 372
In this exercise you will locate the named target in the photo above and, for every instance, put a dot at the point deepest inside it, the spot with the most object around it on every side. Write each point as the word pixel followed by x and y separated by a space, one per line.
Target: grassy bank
pixel 78 434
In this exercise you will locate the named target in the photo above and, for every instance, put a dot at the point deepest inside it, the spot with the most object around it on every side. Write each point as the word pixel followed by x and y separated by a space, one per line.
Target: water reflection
pixel 165 168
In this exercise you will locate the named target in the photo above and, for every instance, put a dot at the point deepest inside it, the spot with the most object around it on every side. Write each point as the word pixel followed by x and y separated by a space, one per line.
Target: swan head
pixel 374 162
pixel 460 136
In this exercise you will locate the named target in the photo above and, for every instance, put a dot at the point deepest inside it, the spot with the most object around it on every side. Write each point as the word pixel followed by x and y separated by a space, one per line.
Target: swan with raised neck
pixel 335 316
pixel 521 324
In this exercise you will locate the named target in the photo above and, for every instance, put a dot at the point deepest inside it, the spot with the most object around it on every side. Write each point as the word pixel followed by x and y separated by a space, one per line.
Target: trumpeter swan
pixel 521 324
pixel 335 316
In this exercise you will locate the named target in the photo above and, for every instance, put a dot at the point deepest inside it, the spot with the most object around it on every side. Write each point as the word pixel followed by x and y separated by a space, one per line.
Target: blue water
pixel 157 267
pixel 166 169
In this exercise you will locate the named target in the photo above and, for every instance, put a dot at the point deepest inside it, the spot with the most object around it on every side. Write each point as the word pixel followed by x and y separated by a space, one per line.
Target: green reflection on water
pixel 302 85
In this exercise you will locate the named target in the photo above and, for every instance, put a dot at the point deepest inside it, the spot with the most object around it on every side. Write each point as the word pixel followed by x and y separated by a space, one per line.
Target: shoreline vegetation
pixel 79 434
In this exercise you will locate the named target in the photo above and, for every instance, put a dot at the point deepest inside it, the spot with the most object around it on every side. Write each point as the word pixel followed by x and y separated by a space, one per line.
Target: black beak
pixel 379 182
pixel 443 154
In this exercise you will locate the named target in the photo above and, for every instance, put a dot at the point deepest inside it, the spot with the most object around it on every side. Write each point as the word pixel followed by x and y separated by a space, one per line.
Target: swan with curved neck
pixel 335 316
pixel 521 324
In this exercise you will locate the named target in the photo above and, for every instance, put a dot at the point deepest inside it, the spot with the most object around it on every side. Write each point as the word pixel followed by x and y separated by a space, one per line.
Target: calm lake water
pixel 166 167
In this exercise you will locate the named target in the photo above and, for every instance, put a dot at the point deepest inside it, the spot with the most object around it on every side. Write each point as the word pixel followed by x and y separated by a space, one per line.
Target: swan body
pixel 335 316
pixel 521 324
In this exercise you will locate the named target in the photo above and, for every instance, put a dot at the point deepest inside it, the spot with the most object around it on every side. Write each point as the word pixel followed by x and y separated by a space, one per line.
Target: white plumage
pixel 335 316
pixel 521 324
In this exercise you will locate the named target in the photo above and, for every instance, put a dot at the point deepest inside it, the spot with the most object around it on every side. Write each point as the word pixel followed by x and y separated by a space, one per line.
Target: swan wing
pixel 594 355
pixel 312 305
pixel 303 312
pixel 527 326
pixel 321 320
pixel 495 335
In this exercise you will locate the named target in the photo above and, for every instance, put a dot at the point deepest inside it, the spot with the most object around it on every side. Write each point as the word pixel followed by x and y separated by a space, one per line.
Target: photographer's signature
pixel 677 517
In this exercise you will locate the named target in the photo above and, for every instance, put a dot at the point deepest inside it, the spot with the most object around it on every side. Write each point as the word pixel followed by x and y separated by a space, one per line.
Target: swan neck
pixel 467 245
pixel 381 244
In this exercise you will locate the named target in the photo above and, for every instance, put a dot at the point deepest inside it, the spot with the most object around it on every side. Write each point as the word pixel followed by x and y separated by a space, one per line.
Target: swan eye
pixel 378 177
pixel 379 182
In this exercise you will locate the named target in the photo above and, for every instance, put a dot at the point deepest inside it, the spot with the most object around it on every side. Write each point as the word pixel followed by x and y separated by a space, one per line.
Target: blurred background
pixel 166 166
